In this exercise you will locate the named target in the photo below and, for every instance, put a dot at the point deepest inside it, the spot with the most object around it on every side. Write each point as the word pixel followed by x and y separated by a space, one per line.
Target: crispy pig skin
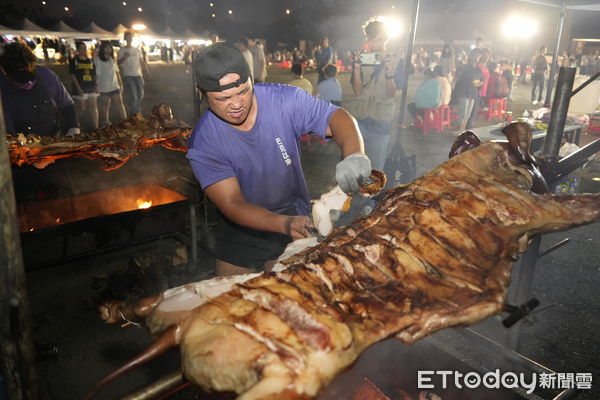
pixel 114 144
pixel 433 254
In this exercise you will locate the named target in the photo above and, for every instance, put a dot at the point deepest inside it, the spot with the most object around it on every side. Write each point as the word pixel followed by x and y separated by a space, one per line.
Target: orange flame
pixel 144 204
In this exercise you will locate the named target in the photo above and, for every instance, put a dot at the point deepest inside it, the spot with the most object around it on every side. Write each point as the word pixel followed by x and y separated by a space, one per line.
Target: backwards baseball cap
pixel 215 62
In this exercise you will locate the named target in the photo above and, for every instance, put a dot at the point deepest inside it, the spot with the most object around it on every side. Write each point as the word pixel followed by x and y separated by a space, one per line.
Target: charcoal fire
pixel 114 144
pixel 47 213
pixel 433 254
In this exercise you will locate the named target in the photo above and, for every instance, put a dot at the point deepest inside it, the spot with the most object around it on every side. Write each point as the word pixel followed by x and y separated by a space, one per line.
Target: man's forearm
pixel 255 217
pixel 345 132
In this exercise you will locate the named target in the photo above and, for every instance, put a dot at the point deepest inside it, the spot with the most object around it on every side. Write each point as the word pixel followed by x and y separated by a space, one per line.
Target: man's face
pixel 128 38
pixel 232 105
pixel 377 42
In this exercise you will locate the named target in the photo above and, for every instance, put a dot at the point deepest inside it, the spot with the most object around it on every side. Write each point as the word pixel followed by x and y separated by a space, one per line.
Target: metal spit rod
pixel 159 387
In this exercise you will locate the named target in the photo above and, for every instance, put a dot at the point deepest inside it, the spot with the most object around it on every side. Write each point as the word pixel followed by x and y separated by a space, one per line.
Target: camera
pixel 371 58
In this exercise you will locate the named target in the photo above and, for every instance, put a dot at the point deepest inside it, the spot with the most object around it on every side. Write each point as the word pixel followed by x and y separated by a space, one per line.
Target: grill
pixel 59 229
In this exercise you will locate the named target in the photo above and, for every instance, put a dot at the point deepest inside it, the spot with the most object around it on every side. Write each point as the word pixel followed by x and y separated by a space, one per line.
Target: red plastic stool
pixel 496 108
pixel 444 118
pixel 435 118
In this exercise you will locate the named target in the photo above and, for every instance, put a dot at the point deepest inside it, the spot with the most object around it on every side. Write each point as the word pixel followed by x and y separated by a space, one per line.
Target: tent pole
pixel 17 354
pixel 559 28
pixel 408 58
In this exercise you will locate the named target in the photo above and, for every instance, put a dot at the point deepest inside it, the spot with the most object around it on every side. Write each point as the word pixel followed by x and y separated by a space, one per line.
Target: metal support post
pixel 559 28
pixel 17 353
pixel 560 105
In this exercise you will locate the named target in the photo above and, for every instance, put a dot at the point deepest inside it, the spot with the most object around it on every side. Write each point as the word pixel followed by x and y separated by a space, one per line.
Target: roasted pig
pixel 114 144
pixel 433 254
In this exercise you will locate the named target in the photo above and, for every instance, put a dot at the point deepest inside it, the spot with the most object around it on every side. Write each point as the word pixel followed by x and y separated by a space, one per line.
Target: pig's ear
pixel 464 142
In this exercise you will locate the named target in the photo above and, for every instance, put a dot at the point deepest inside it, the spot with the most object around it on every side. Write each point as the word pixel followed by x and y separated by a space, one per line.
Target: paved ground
pixel 564 336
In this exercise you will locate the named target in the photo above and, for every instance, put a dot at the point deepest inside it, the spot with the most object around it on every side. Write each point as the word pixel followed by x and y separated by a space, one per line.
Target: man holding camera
pixel 373 82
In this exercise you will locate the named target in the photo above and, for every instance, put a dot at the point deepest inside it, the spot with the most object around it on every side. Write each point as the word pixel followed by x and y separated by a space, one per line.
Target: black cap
pixel 216 61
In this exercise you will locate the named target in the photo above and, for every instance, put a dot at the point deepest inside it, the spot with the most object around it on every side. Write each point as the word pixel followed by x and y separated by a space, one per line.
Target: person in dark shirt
pixel 467 87
pixel 33 98
pixel 85 89
pixel 508 73
pixel 324 57
pixel 540 67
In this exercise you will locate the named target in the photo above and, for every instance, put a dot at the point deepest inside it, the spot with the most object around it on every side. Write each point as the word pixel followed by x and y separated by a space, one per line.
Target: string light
pixel 230 12
pixel 287 11
pixel 67 9
pixel 213 15
pixel 43 3
pixel 140 9
pixel 211 4
pixel 124 3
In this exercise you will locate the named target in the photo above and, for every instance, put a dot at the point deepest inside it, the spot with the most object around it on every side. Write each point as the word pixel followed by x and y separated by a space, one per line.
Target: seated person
pixel 34 99
pixel 330 88
pixel 428 95
pixel 299 80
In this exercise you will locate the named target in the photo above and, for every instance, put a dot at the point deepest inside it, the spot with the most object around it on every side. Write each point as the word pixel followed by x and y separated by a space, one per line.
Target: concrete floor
pixel 563 337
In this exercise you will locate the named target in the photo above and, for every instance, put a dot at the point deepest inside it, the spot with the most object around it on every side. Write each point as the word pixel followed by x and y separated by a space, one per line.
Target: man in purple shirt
pixel 245 154
pixel 34 99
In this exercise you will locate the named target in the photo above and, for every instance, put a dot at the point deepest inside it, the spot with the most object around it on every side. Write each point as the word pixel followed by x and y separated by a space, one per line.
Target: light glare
pixel 517 26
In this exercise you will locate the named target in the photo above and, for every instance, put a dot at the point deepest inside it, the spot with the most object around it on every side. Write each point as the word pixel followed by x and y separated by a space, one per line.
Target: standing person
pixel 244 152
pixel 241 45
pixel 466 89
pixel 323 58
pixel 299 80
pixel 374 106
pixel 375 87
pixel 132 62
pixel 486 56
pixel 330 88
pixel 509 75
pixel 33 98
pixel 109 84
pixel 447 63
pixel 538 76
pixel 83 80
pixel 444 85
pixel 258 57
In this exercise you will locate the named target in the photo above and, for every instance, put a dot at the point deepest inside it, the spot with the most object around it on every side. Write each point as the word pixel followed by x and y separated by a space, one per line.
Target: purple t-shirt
pixel 266 159
pixel 18 119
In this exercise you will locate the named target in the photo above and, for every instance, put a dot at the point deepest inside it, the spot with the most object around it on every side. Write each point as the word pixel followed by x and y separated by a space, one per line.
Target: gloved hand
pixel 353 171
pixel 73 131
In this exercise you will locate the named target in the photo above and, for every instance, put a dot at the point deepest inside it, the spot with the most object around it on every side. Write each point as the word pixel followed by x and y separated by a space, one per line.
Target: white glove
pixel 73 131
pixel 353 171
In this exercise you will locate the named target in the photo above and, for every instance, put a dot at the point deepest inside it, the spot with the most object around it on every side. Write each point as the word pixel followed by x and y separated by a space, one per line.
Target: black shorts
pixel 111 93
pixel 246 247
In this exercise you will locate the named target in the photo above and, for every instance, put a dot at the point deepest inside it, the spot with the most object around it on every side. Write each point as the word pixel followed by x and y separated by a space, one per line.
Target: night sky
pixel 307 19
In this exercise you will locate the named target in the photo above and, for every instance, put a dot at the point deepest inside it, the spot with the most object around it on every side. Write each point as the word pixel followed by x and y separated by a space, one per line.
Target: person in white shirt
pixel 109 84
pixel 241 45
pixel 258 57
pixel 132 62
